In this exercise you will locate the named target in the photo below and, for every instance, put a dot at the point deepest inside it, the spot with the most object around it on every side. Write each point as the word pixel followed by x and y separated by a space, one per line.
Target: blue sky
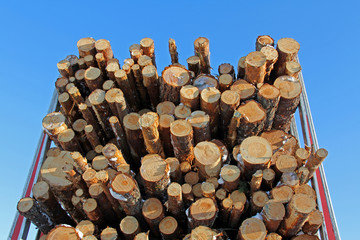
pixel 36 35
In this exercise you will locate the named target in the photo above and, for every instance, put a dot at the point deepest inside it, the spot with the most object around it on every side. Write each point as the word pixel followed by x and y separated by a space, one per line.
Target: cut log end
pixel 252 229
pixel 152 209
pixel 129 226
pixel 123 183
pixel 63 232
pixel 165 107
pixel 180 128
pixel 245 89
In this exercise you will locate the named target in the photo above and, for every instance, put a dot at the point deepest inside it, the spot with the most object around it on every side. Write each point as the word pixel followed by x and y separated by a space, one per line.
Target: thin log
pixel 191 178
pixel 143 61
pixel 194 64
pixel 173 51
pixel 149 126
pixel 142 93
pixel 127 88
pixel 120 136
pixel 226 68
pixel 153 212
pixel 201 46
pixel 92 136
pixel 100 163
pixel 241 68
pixel 109 84
pixel 290 179
pixel 69 141
pixel 115 98
pixel 208 190
pixel 97 192
pixel 197 191
pixel 53 124
pixel 231 136
pixel 229 102
pixel 268 179
pixel 111 67
pixel 269 97
pixel 175 204
pixel 287 49
pixel 263 41
pixel 235 215
pixel 182 140
pixel 182 112
pixel 80 161
pixel 271 57
pixel 148 49
pixel 303 174
pixel 164 130
pixel 101 62
pixel 86 227
pixel 90 61
pixel 220 194
pixel 187 194
pixel 175 171
pixel 81 83
pixel 315 160
pixel 200 122
pixel 142 236
pixel 116 158
pixel 210 103
pixel 103 46
pixel 129 226
pixel 258 200
pixel 93 212
pixel 151 82
pixel 61 83
pixel 81 63
pixel 134 135
pixel 292 69
pixel 93 78
pixel 225 210
pixel 225 81
pixel 169 228
pixel 313 223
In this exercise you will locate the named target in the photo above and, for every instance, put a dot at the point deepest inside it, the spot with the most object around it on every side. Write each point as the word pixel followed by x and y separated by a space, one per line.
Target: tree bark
pixel 229 102
pixel 134 136
pixel 153 212
pixel 287 49
pixel 256 180
pixel 127 88
pixel 263 41
pixel 207 159
pixel 210 103
pixel 86 46
pixel 273 213
pixel 147 46
pixel 255 67
pixel 182 140
pixel 271 57
pixel 202 212
pixel 200 122
pixel 194 64
pixel 173 78
pixel 202 49
pixel 315 160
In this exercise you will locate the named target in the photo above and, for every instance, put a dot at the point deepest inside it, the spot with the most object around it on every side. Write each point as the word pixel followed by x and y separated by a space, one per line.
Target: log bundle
pixel 184 155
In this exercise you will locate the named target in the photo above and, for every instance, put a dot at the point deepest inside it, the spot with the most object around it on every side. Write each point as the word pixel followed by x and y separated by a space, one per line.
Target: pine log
pixel 241 68
pixel 203 233
pixel 91 136
pixel 285 163
pixel 63 232
pixel 258 200
pixel 29 208
pixel 151 82
pixel 292 69
pixel 268 179
pixel 226 206
pixel 207 159
pixel 271 57
pixel 173 78
pixel 252 229
pixel 98 149
pixel 154 172
pixel 100 163
pixel 69 107
pixel 153 212
pixel 143 61
pixel 182 112
pixel 255 154
pixel 231 135
pixel 169 228
pixel 116 100
pixel 128 88
pixel 90 61
pixel 116 158
pixel 273 236
pixel 164 131
pixel 126 190
pixel 208 190
pixel 93 78
pixel 81 162
pixel 194 64
pixel 305 237
pixel 109 234
pixel 148 49
pixel 69 141
pixel 135 55
pixel 255 67
pixel 226 68
pixel 120 136
pixel 129 226
pixel 203 81
pixel 185 167
pixel 201 46
pixel 229 102
pixel 149 124
pixel 246 90
pixel 111 67
pixel 235 215
pixel 134 135
pixel 238 196
pixel 315 160
pixel 165 107
pixel 225 81
pixel 103 46
pixel 263 41
pixel 86 46
pixel 173 51
pixel 191 178
pixel 210 103
pixel 287 49
pixel 197 191
pixel 290 179
pixel 86 228
pixel 256 181
pixel 61 83
pixel 301 155
pixel 64 68
pixel 298 211
pixel 89 177
pixel 101 62
pixel 81 63
pixel 79 128
pixel 138 79
pixel 90 118
pixel 187 194
pixel 81 83
pixel 273 213
pixel 313 223
pixel 269 96
pixel 175 204
pixel 142 236
pixel 175 172
pixel 93 212
pixel 282 194
pixel 220 194
pixel 53 124
pixel 303 174
pixel 305 189
pixel 231 175
pixel 200 122
pixel 182 140
pixel 202 212
pixel 252 120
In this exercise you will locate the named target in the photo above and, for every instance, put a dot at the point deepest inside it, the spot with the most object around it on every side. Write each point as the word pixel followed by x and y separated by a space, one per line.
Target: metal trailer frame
pixel 328 231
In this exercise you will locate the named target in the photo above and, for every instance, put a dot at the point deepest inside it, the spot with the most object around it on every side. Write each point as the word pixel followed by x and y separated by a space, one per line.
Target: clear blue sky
pixel 36 35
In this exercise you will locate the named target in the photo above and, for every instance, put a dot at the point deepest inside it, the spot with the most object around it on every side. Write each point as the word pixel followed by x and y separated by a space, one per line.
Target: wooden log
pixel 285 163
pixel 241 68
pixel 53 124
pixel 305 237
pixel 182 140
pixel 197 191
pixel 148 49
pixel 69 107
pixel 200 122
pixel 111 67
pixel 225 81
pixel 230 174
pixel 128 88
pixel 256 180
pixel 273 236
pixel 298 211
pixel 115 98
pixel 81 83
pixel 153 212
pixel 98 149
pixel 142 236
pixel 135 55
pixel 63 232
pixel 301 155
pixel 271 57
pixel 263 41
pixel 134 135
pixel 81 162
pixel 315 160
pixel 175 172
pixel 175 204
pixel 226 68
pixel 229 102
pixel 182 112
pixel 269 96
pixel 213 181
pixel 86 46
pixel 313 223
pixel 64 68
pixel 129 226
pixel 173 78
pixel 210 103
pixel 103 46
pixel 89 177
pixel 90 61
pixel 191 178
pixel 101 62
pixel 282 194
pixel 290 90
pixel 246 90
pixel 109 233
pixel 252 229
pixel 142 93
pixel 93 212
pixel 90 118
pixel 203 81
pixel 164 131
pixel 125 189
pixel 252 120
pixel 268 179
pixel 151 82
pixel 187 194
pixel 226 206
pixel 207 159
pixel 165 107
pixel 61 83
pixel 120 136
pixel 149 124
pixel 305 189
pixel 231 135
pixel 290 179
pixel 86 228
pixel 92 136
pixel 287 49
pixel 258 200
pixel 79 128
pixel 169 228
pixel 220 194
pixel 185 167
pixel 116 158
pixel 93 78
pixel 154 172
pixel 208 190
pixel 100 163
pixel 202 212
pixel 303 175
pixel 255 67
pixel 81 63
pixel 292 69
pixel 273 213
pixel 143 61
pixel 69 141
pixel 201 46
pixel 194 64
pixel 173 51
pixel 235 215
pixel 29 208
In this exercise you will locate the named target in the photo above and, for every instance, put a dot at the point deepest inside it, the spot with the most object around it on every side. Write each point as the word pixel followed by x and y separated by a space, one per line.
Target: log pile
pixel 184 155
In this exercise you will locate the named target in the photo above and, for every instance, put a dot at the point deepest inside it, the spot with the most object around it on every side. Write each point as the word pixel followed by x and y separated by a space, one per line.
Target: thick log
pixel 86 227
pixel 298 211
pixel 271 57
pixel 315 160
pixel 103 46
pixel 246 90
pixel 225 81
pixel 203 81
pixel 287 49
pixel 203 232
pixel 164 131
pixel 210 103
pixel 182 140
pixel 207 159
pixel 282 194
pixel 305 237
pixel 148 49
pixel 194 64
pixel 202 49
pixel 29 208
pixel 269 97
pixel 109 233
pixel 182 112
pixel 313 223
pixel 273 213
pixel 129 226
pixel 169 228
pixel 165 107
pixel 149 124
pixel 252 229
pixel 134 135
pixel 128 89
pixel 305 189
pixel 255 67
pixel 263 41
pixel 86 46
pixel 230 174
pixel 63 232
pixel 285 163
pixel 252 120
pixel 153 212
pixel 202 212
pixel 69 141
pixel 173 51
pixel 173 78
pixel 93 78
pixel 200 122
pixel 256 181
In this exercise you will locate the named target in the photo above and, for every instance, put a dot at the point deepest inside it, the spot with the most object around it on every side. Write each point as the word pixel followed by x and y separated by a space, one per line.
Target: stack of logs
pixel 177 155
